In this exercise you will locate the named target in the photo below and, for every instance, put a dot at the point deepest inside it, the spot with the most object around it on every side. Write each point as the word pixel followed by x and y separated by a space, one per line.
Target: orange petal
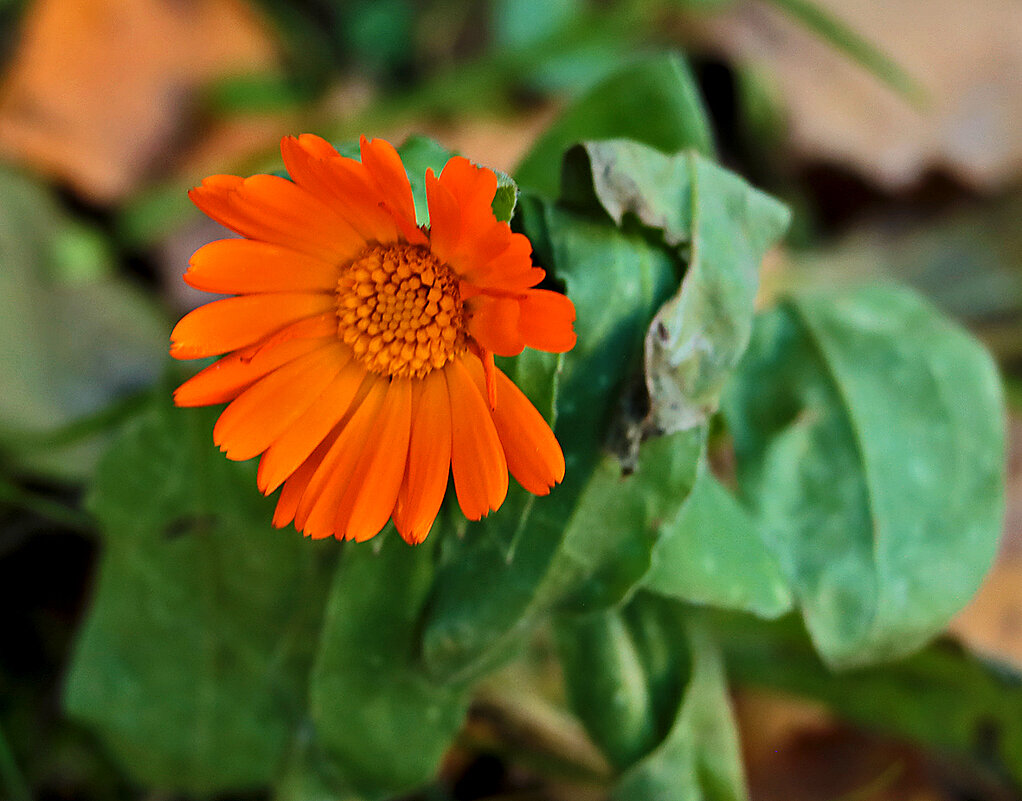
pixel 317 509
pixel 494 324
pixel 294 445
pixel 238 266
pixel 390 180
pixel 295 486
pixel 372 490
pixel 429 461
pixel 304 159
pixel 316 146
pixel 534 456
pixel 342 182
pixel 546 319
pixel 320 325
pixel 473 189
pixel 359 202
pixel 260 414
pixel 275 210
pixel 444 219
pixel 238 322
pixel 510 269
pixel 235 323
pixel 477 458
pixel 481 243
pixel 481 236
pixel 226 379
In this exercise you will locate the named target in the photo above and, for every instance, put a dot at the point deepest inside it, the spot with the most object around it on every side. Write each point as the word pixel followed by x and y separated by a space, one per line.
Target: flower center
pixel 400 311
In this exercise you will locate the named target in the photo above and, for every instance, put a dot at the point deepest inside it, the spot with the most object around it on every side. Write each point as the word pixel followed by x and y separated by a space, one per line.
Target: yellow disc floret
pixel 400 311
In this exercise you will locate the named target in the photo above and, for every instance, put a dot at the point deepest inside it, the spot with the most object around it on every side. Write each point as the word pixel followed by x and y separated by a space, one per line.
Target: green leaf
pixel 966 708
pixel 191 665
pixel 75 339
pixel 489 578
pixel 625 672
pixel 506 199
pixel 713 553
pixel 869 432
pixel 590 542
pixel 310 775
pixel 377 714
pixel 648 683
pixel 723 226
pixel 699 759
pixel 654 100
pixel 607 685
pixel 615 525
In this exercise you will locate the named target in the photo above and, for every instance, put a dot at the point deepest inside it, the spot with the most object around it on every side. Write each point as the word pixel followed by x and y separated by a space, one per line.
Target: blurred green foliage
pixel 76 336
pixel 220 657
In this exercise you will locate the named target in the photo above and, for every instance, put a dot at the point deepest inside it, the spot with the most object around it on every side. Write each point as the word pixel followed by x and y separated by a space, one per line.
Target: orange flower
pixel 360 346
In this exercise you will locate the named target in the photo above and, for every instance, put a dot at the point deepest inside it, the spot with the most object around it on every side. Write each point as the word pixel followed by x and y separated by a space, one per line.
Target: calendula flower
pixel 360 346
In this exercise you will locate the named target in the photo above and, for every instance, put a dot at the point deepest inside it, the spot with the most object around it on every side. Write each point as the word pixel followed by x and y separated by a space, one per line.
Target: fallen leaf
pixel 795 751
pixel 99 91
pixel 966 56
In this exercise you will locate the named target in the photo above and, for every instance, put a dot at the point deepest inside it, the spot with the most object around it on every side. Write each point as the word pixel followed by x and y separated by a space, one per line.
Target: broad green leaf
pixel 945 698
pixel 606 685
pixel 656 627
pixel 654 100
pixel 75 339
pixel 869 432
pixel 490 576
pixel 377 714
pixel 648 683
pixel 625 672
pixel 615 525
pixel 712 553
pixel 310 774
pixel 191 665
pixel 568 549
pixel 723 227
pixel 699 759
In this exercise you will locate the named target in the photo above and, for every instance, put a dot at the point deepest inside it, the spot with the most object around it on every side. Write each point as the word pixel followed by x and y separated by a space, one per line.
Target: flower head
pixel 359 346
